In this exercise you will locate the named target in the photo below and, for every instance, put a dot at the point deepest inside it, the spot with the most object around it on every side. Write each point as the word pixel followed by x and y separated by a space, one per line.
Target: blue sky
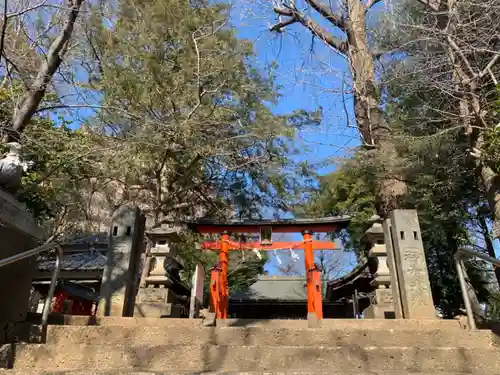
pixel 311 76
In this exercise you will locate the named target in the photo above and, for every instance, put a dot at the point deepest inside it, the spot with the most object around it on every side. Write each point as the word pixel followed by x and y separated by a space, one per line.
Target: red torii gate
pixel 219 290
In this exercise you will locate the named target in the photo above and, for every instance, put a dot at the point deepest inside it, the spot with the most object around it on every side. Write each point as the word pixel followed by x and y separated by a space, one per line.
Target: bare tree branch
pixel 4 27
pixel 313 26
pixel 460 53
pixel 489 66
pixel 280 25
pixel 370 3
pixel 433 4
pixel 26 10
pixel 460 61
pixel 29 102
pixel 8 16
pixel 325 10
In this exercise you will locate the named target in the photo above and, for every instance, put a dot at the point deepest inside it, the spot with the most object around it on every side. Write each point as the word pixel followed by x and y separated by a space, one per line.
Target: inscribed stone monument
pixel 121 273
pixel 409 258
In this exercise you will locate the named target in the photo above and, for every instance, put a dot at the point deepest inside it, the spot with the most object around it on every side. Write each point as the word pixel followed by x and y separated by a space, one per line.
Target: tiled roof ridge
pixel 281 278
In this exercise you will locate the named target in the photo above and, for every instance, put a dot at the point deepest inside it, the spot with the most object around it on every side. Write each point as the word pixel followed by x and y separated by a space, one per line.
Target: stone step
pixel 261 336
pixel 199 358
pixel 76 320
pixel 133 372
pixel 345 323
pixel 271 323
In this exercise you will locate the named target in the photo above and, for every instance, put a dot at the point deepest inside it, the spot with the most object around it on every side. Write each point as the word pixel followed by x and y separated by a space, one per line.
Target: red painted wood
pixel 215 291
pixel 81 306
pixel 59 298
pixel 297 228
pixel 309 265
pixel 315 276
pixel 280 245
pixel 224 287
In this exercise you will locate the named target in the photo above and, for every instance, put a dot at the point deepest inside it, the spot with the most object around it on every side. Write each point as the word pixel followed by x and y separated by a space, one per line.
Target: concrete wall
pixel 15 279
pixel 18 233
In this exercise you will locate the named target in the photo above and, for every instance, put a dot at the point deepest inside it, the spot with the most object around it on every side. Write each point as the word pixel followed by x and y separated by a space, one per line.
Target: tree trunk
pixel 373 127
pixel 28 103
pixel 473 115
pixel 490 182
pixel 488 179
pixel 489 245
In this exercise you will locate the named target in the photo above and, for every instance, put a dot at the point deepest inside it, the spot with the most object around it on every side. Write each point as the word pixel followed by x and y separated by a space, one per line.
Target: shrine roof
pixel 280 289
pixel 78 290
pixel 276 288
pixel 90 261
pixel 325 224
pixel 358 279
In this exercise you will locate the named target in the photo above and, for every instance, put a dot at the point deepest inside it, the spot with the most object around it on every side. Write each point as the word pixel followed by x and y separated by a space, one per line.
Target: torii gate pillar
pixel 219 288
pixel 224 287
pixel 313 277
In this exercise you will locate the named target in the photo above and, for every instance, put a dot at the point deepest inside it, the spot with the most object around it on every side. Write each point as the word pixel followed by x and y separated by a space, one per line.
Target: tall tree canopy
pixel 188 112
pixel 180 124
pixel 423 102
pixel 445 56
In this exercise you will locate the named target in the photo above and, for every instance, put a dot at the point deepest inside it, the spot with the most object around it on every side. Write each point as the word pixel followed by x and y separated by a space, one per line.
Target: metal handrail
pixel 55 274
pixel 460 255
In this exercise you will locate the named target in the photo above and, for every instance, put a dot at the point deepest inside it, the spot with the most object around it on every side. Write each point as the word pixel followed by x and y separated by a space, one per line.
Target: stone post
pixel 197 291
pixel 156 298
pixel 120 277
pixel 382 307
pixel 18 233
pixel 411 266
pixel 389 244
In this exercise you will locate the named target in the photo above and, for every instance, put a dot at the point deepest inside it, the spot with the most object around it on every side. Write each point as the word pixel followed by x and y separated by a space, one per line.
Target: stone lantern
pixel 157 296
pixel 165 263
pixel 382 306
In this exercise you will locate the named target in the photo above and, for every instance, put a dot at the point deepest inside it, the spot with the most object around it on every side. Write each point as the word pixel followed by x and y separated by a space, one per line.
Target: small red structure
pixel 219 289
pixel 74 299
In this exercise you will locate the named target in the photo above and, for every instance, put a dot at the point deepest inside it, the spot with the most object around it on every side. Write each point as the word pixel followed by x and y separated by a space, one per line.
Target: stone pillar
pixel 382 307
pixel 411 266
pixel 197 291
pixel 156 298
pixel 121 273
pixel 391 264
pixel 18 233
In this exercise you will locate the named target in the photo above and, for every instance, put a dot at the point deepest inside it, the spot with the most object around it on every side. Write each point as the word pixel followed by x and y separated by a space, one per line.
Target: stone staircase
pixel 140 346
